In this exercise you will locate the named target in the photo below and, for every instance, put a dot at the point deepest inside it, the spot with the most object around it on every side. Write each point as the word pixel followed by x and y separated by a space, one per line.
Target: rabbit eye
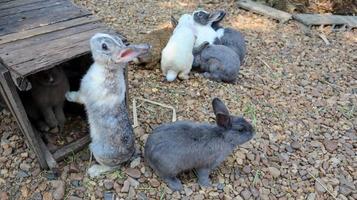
pixel 104 46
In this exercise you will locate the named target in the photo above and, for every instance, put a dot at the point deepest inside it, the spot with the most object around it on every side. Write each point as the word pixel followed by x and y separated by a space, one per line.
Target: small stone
pixel 22 174
pixel 59 189
pixel 188 191
pixel 238 198
pixel 133 173
pixel 73 169
pixel 213 194
pixel 24 155
pixel 76 183
pixel 131 193
pixel 198 197
pixel 134 183
pixel 295 145
pixel 74 198
pixel 36 196
pixel 24 166
pixel 220 186
pixel 247 169
pixel 24 192
pixel 254 192
pixel 330 145
pixel 274 172
pixel 345 190
pixel 311 196
pixel 245 194
pixel 4 196
pixel 117 187
pixel 319 188
pixel 154 183
pixel 135 162
pixel 47 196
pixel 142 196
pixel 108 184
pixel 126 186
pixel 108 195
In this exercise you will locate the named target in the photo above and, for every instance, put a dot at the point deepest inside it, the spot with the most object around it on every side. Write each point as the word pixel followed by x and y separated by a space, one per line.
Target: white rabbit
pixel 177 57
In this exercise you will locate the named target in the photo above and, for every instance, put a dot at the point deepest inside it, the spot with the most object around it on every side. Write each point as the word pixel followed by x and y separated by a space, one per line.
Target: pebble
pixel 59 189
pixel 36 196
pixel 4 196
pixel 188 191
pixel 330 145
pixel 274 172
pixel 220 186
pixel 154 183
pixel 24 166
pixel 319 188
pixel 142 196
pixel 311 196
pixel 134 183
pixel 74 198
pixel 47 196
pixel 135 173
pixel 295 145
pixel 108 184
pixel 131 193
pixel 126 186
pixel 198 197
pixel 135 162
pixel 247 169
pixel 245 194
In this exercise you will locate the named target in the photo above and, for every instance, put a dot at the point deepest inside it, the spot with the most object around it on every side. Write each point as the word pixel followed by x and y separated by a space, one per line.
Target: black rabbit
pixel 44 102
pixel 184 145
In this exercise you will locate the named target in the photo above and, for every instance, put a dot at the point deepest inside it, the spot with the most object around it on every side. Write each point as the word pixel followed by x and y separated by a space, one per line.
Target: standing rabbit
pixel 44 102
pixel 225 36
pixel 218 62
pixel 176 57
pixel 184 145
pixel 102 91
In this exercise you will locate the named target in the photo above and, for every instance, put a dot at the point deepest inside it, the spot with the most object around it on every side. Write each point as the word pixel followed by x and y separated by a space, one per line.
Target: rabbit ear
pixel 222 114
pixel 174 22
pixel 216 16
pixel 130 52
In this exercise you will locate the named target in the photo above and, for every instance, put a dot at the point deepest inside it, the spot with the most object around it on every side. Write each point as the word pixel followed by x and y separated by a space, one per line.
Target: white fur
pixel 204 33
pixel 177 56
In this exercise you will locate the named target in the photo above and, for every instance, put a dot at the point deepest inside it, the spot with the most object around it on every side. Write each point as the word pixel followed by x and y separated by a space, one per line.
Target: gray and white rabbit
pixel 102 91
pixel 184 145
pixel 44 102
pixel 218 62
pixel 225 36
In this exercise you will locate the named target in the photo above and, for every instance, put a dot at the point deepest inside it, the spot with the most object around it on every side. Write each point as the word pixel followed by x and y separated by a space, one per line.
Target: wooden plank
pixel 51 162
pixel 16 3
pixel 71 148
pixel 41 17
pixel 19 113
pixel 43 38
pixel 44 56
pixel 29 7
pixel 265 10
pixel 318 19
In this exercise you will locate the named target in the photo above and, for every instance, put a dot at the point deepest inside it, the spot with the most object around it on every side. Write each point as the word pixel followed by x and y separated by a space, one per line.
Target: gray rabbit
pixel 184 145
pixel 218 62
pixel 102 91
pixel 226 36
pixel 44 102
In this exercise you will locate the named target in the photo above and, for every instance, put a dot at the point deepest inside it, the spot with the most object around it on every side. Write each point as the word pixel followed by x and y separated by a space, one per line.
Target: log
pixel 265 10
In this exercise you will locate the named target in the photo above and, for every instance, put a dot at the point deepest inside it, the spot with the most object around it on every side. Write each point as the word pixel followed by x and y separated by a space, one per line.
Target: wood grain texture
pixel 264 10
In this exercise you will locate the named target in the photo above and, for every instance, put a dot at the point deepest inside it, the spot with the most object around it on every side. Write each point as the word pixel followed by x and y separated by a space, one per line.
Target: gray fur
pixel 230 38
pixel 44 102
pixel 102 91
pixel 184 145
pixel 220 63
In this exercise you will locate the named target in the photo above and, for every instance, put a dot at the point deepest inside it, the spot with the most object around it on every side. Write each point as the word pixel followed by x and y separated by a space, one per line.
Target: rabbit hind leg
pixel 203 177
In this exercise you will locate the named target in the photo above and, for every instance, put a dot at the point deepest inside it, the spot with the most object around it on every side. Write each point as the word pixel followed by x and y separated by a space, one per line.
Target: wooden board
pixel 319 19
pixel 265 10
pixel 15 105
pixel 28 7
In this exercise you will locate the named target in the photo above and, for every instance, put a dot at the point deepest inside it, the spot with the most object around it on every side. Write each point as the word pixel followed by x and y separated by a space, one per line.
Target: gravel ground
pixel 299 93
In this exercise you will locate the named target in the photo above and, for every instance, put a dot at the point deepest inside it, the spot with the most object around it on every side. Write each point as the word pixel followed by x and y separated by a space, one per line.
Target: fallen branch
pixel 314 177
pixel 135 114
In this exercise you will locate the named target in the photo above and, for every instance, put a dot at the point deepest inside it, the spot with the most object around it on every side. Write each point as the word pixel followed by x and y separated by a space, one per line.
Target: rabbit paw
pixel 97 170
pixel 173 183
pixel 71 96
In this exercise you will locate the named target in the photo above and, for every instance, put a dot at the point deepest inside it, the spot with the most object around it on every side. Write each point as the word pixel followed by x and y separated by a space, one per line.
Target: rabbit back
pixel 233 39
pixel 184 145
pixel 221 61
